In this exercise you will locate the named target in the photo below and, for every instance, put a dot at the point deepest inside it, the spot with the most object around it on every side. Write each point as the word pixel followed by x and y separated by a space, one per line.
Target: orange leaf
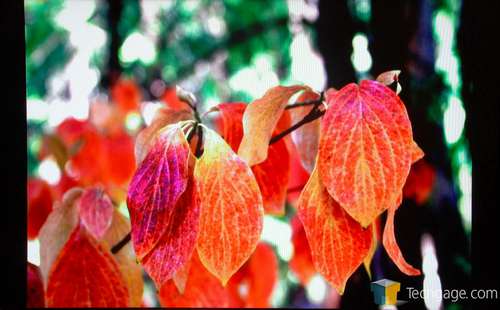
pixel 273 174
pixel 131 271
pixel 35 297
pixel 57 228
pixel 366 149
pixel 181 276
pixel 231 208
pixel 96 211
pixel 392 248
pixel 306 137
pixel 178 242
pixel 301 263
pixel 253 285
pixel 298 177
pixel 39 205
pixel 85 275
pixel 162 118
pixel 375 240
pixel 156 187
pixel 338 243
pixel 259 121
pixel 203 290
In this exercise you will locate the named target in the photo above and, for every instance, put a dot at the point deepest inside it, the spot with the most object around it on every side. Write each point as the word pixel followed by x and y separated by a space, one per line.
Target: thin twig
pixel 117 247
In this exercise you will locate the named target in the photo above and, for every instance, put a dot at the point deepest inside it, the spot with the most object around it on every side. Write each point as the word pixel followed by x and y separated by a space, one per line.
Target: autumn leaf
pixel 301 262
pixel 39 205
pixel 57 228
pixel 231 208
pixel 118 159
pixel 391 246
pixel 130 269
pixel 35 297
pixel 96 211
pixel 203 290
pixel 253 285
pixel 273 174
pixel 181 276
pixel 172 101
pixel 85 275
pixel 163 117
pixel 338 243
pixel 375 241
pixel 178 242
pixel 259 121
pixel 298 177
pixel 306 137
pixel 126 95
pixel 366 149
pixel 156 187
pixel 420 182
pixel 389 77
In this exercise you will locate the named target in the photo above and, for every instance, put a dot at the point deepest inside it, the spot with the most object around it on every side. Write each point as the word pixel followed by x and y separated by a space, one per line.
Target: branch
pixel 117 247
pixel 314 114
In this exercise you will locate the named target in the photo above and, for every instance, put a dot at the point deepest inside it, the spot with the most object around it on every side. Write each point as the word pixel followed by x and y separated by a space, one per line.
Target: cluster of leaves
pixel 198 196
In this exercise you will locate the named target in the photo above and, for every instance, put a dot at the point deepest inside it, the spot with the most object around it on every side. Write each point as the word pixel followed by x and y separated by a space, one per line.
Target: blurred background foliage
pixel 234 50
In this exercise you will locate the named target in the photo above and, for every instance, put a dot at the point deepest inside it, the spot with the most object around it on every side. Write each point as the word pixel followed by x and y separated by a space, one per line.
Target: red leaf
pixel 253 285
pixel 420 182
pixel 203 290
pixel 35 294
pixel 231 208
pixel 156 187
pixel 273 174
pixel 178 242
pixel 125 258
pixel 57 228
pixel 162 118
pixel 366 149
pixel 96 211
pixel 391 246
pixel 126 95
pixel 306 138
pixel 301 263
pixel 71 130
pixel 119 161
pixel 171 100
pixel 85 275
pixel 338 243
pixel 39 205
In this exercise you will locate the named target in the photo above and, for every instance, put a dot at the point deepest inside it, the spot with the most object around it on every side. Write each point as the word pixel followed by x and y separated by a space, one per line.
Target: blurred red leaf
pixel 85 275
pixel 301 263
pixel 420 182
pixel 96 211
pixel 203 290
pixel 298 176
pixel 35 297
pixel 171 100
pixel 126 95
pixel 273 174
pixel 40 201
pixel 253 285
pixel 119 161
